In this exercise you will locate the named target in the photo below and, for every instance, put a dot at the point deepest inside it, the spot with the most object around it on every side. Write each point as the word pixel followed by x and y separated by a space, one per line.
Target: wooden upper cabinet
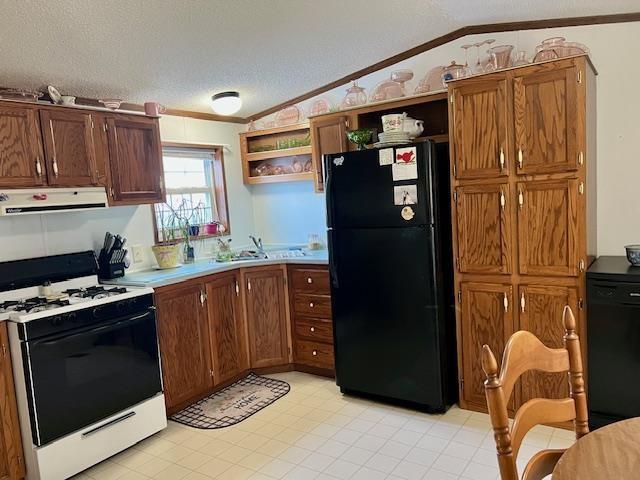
pixel 478 120
pixel 548 227
pixel 226 327
pixel 183 334
pixel 328 135
pixel 135 157
pixel 11 455
pixel 487 318
pixel 483 227
pixel 266 317
pixel 69 148
pixel 540 312
pixel 545 114
pixel 21 154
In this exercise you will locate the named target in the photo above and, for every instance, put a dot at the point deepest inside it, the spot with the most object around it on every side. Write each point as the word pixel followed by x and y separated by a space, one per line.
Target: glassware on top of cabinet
pixel 500 56
pixel 521 59
pixel 431 81
pixel 386 90
pixel 402 77
pixel 453 72
pixel 355 96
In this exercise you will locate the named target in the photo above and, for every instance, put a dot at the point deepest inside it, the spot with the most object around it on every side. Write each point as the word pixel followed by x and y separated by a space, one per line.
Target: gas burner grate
pixel 95 292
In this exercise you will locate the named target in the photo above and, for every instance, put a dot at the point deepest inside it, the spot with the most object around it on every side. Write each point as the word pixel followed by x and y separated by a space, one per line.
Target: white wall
pixel 615 51
pixel 37 235
pixel 288 212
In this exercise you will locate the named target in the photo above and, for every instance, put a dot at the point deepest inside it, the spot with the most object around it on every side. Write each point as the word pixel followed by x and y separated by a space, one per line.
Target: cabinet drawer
pixel 310 281
pixel 314 329
pixel 312 305
pixel 313 353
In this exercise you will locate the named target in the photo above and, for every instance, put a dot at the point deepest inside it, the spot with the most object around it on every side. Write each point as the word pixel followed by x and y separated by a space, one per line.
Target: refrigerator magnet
pixel 407 213
pixel 404 171
pixel 406 155
pixel 385 156
pixel 405 194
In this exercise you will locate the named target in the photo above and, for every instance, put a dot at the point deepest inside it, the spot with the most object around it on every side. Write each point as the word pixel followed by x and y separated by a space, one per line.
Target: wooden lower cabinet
pixel 312 327
pixel 266 309
pixel 540 312
pixel 215 328
pixel 487 317
pixel 226 327
pixel 11 456
pixel 183 334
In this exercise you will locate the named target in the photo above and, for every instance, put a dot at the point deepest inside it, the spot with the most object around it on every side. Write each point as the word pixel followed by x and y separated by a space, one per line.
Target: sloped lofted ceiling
pixel 181 52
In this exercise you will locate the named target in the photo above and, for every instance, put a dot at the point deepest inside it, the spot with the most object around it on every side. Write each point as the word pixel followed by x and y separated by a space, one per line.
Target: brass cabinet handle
pixel 503 200
pixel 314 353
pixel 38 167
pixel 313 329
pixel 505 301
pixel 55 166
pixel 310 304
pixel 309 280
pixel 523 302
pixel 248 284
pixel 501 159
pixel 520 198
pixel 237 289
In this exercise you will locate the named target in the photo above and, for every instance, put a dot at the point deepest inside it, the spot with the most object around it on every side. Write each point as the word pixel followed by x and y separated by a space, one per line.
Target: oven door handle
pixel 64 338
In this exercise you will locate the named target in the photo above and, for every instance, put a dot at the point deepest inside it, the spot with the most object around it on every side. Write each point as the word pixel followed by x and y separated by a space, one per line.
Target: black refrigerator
pixel 390 261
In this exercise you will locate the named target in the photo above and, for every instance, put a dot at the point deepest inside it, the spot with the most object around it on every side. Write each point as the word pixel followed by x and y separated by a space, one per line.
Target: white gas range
pixel 86 363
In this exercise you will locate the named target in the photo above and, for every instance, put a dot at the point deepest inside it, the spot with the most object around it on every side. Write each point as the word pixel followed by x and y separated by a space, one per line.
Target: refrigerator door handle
pixel 333 269
pixel 327 189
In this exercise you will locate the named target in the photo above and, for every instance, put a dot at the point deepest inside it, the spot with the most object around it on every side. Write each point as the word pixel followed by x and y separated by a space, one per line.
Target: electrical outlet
pixel 137 252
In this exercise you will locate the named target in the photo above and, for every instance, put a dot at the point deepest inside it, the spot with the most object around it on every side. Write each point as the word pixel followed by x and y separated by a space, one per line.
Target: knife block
pixel 108 270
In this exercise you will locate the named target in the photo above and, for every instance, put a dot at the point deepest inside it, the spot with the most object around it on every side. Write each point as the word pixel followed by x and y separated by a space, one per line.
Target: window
pixel 196 194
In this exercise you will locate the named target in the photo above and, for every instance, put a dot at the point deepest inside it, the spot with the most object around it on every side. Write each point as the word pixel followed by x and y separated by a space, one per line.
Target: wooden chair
pixel 523 352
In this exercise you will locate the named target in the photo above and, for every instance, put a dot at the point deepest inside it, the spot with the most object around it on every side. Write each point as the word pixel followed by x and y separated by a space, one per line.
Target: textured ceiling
pixel 181 52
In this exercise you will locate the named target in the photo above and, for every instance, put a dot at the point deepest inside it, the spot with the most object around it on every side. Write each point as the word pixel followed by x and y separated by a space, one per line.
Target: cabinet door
pixel 135 157
pixel 267 318
pixel 226 328
pixel 21 157
pixel 479 112
pixel 184 343
pixel 69 148
pixel 545 120
pixel 548 227
pixel 484 232
pixel 487 318
pixel 541 313
pixel 11 457
pixel 327 136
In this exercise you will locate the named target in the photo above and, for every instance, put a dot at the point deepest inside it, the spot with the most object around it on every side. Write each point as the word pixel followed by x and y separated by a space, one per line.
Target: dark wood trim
pixel 219 182
pixel 449 37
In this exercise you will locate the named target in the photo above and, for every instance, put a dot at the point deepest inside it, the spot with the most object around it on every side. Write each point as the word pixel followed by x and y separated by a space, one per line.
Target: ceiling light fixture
pixel 226 103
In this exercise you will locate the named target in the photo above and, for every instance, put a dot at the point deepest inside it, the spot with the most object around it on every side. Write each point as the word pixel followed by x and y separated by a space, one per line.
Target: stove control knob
pixel 97 311
pixel 57 321
pixel 121 306
pixel 132 302
pixel 72 317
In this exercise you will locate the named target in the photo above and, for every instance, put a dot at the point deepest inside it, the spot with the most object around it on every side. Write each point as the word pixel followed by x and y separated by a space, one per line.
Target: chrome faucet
pixel 258 244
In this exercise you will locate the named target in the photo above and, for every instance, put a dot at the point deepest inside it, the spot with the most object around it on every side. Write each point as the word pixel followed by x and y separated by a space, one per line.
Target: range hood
pixel 51 200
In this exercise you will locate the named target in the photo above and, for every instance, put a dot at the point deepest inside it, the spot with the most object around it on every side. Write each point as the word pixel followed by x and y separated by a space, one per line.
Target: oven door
pixel 80 377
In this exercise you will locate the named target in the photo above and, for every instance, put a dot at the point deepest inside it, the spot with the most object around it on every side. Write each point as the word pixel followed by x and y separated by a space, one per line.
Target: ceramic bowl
pixel 633 254
pixel 111 103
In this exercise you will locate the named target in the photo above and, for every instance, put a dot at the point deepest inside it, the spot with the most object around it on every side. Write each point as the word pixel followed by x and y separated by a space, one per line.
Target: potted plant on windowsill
pixel 167 251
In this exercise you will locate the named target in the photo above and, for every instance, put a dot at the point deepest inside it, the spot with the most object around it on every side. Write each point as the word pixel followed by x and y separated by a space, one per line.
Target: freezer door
pixel 361 190
pixel 386 313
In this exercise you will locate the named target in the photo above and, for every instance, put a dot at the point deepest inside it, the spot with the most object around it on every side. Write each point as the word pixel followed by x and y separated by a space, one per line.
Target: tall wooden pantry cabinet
pixel 523 163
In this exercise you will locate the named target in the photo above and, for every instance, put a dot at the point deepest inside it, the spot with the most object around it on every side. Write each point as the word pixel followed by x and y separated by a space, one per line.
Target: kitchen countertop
pixel 159 278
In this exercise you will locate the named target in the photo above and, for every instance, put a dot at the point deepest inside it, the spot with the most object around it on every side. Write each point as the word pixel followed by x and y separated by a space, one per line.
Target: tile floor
pixel 315 432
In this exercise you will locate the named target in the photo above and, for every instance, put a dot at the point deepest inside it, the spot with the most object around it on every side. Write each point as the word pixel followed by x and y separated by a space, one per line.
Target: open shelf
pixel 284 152
pixel 287 177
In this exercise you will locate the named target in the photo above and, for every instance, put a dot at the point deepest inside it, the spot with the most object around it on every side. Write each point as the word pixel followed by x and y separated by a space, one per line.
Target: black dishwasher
pixel 613 343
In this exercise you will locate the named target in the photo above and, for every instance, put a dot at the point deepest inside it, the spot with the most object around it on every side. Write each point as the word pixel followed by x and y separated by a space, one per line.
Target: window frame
pixel 219 185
